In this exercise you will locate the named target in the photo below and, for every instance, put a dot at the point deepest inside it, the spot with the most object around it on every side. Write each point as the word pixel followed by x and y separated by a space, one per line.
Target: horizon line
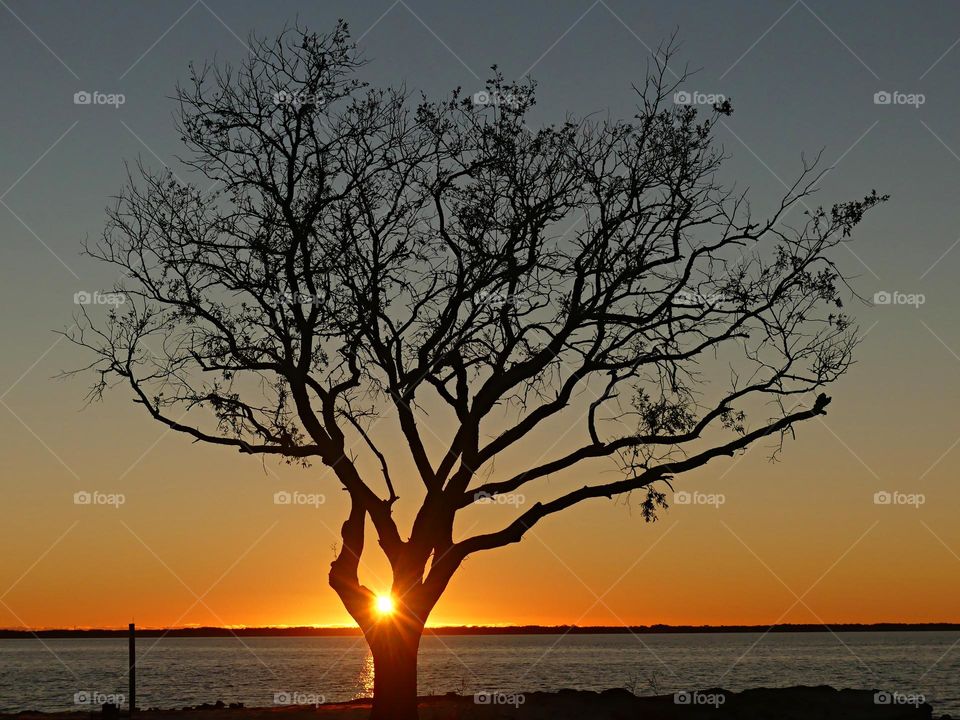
pixel 346 630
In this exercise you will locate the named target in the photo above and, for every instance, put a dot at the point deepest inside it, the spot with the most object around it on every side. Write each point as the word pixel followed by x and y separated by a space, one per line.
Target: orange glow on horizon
pixel 176 534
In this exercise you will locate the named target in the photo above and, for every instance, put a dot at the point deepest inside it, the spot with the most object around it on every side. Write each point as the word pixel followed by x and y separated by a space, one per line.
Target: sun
pixel 384 604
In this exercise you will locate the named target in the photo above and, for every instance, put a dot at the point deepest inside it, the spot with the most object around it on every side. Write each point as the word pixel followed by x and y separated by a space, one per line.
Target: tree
pixel 365 257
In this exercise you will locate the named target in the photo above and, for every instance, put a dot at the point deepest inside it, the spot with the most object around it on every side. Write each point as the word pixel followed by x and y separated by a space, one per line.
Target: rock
pixel 798 703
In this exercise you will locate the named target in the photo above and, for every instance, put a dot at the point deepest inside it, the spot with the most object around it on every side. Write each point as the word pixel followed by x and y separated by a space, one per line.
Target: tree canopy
pixel 343 255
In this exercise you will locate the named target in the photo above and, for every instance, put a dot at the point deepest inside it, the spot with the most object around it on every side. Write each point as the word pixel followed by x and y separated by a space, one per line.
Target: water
pixel 173 672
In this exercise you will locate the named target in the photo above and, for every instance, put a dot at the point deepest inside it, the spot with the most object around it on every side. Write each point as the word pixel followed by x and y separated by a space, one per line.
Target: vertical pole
pixel 133 669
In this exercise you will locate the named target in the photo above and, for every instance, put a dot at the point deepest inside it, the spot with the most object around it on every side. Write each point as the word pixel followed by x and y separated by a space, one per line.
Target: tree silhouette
pixel 366 260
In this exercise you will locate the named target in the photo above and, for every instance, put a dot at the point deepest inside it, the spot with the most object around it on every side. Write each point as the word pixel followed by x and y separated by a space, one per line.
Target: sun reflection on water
pixel 365 679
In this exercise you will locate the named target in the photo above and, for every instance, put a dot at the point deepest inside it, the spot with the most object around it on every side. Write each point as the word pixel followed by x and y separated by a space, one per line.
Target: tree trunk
pixel 393 637
pixel 394 646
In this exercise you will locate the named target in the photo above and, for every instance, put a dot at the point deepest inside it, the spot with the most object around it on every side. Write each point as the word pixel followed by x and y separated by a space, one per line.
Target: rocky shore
pixel 797 703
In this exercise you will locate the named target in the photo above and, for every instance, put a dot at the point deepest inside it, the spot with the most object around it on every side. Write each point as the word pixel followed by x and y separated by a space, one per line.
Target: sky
pixel 198 539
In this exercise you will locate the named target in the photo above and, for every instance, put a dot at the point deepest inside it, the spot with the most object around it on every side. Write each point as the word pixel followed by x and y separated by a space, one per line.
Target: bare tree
pixel 366 257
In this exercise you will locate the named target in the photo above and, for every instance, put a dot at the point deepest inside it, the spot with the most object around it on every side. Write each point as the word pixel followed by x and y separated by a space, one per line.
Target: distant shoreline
pixel 475 630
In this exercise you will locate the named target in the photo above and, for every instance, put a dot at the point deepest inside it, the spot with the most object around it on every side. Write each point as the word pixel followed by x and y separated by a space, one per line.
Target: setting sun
pixel 384 604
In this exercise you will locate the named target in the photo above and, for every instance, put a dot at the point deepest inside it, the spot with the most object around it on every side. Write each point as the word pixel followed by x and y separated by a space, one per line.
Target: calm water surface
pixel 174 672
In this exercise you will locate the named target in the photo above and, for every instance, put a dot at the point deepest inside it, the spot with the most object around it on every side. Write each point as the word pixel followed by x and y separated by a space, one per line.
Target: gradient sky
pixel 199 540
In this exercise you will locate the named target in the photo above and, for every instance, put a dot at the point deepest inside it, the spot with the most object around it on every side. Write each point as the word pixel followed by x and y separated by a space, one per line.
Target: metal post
pixel 133 670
